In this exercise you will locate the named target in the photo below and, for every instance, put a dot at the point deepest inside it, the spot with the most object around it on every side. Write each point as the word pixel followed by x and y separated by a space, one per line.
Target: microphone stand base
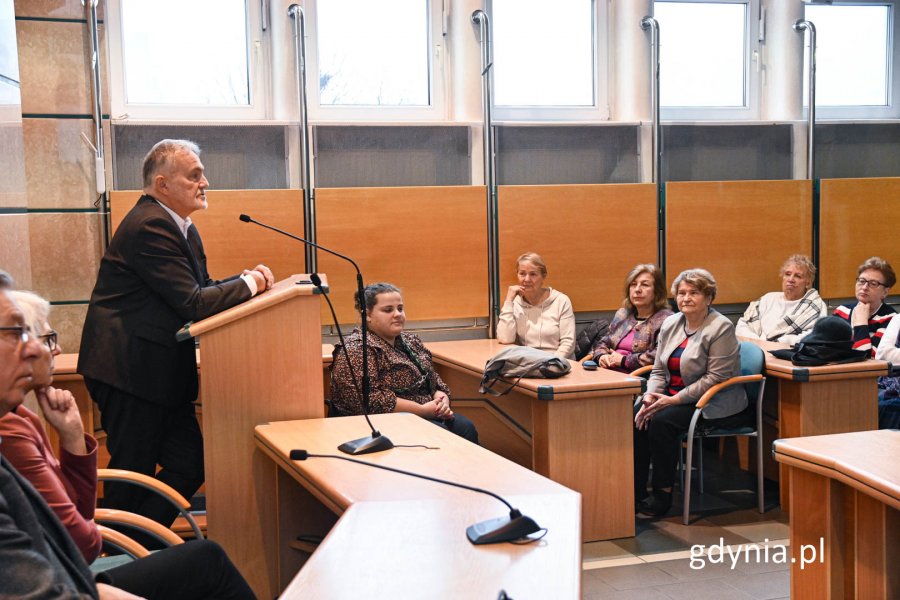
pixel 367 445
pixel 504 529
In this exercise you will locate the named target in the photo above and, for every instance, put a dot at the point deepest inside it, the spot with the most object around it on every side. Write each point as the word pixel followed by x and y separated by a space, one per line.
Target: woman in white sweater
pixel 790 314
pixel 534 315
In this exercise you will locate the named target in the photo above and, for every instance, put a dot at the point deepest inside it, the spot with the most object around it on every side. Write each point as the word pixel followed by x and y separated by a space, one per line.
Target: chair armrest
pixel 122 542
pixel 705 398
pixel 640 371
pixel 154 485
pixel 164 534
pixel 144 481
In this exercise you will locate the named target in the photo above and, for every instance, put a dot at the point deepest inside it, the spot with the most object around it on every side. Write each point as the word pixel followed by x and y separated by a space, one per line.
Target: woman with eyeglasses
pixel 402 376
pixel 196 569
pixel 870 314
pixel 871 318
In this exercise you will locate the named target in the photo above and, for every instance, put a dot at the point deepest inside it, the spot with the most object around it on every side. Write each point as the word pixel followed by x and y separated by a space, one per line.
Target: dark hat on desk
pixel 830 342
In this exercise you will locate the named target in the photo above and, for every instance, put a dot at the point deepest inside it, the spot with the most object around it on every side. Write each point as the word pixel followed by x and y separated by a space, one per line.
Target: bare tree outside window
pixel 373 53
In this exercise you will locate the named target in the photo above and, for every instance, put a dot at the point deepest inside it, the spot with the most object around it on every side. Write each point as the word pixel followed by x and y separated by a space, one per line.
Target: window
pixel 854 59
pixel 705 55
pixel 203 64
pixel 375 60
pixel 546 64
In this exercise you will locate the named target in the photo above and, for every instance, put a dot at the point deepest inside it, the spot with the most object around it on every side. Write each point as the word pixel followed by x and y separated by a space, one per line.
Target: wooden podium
pixel 261 361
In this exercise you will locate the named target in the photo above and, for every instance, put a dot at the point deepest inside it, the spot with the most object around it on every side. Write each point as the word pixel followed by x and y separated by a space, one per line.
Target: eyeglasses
pixel 51 338
pixel 20 333
pixel 863 282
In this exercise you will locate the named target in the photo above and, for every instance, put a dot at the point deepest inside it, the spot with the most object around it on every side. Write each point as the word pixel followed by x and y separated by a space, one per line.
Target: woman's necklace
pixel 688 332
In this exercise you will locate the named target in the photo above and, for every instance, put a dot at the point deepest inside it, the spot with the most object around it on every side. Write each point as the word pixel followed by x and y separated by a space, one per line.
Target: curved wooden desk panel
pixel 405 537
pixel 741 231
pixel 575 430
pixel 232 246
pixel 571 227
pixel 418 238
pixel 845 507
pixel 857 219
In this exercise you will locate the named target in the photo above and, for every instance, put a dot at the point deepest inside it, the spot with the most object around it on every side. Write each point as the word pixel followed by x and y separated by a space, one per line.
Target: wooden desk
pixel 576 430
pixel 405 537
pixel 845 500
pixel 823 400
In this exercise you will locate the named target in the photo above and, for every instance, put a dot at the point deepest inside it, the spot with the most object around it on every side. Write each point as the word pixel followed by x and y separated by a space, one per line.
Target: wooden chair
pixel 121 542
pixel 752 364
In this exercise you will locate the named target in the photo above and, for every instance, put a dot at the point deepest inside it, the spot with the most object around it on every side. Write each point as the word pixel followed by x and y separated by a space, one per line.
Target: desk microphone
pixel 492 531
pixel 375 442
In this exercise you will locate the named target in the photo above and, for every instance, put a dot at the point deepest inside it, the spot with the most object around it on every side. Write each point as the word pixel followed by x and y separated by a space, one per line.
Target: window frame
pixel 258 61
pixel 750 112
pixel 438 71
pixel 600 111
pixel 856 111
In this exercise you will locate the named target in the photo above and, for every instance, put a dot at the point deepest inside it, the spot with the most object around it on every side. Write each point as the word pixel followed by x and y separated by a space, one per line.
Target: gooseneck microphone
pixel 492 531
pixel 375 442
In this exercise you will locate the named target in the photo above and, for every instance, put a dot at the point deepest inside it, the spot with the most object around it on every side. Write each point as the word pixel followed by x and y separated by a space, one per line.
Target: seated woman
pixel 400 370
pixel 870 314
pixel 889 387
pixel 697 349
pixel 790 314
pixel 631 340
pixel 534 315
pixel 197 569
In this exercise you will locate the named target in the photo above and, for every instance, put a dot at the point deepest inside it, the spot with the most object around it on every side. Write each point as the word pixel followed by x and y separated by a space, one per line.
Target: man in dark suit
pixel 153 280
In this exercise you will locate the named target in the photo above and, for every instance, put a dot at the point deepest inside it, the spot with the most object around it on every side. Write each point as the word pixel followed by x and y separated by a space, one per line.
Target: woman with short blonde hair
pixel 534 315
pixel 790 314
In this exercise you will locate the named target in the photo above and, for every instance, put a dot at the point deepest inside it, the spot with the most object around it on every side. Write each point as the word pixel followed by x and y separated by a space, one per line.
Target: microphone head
pixel 299 455
pixel 316 280
pixel 245 218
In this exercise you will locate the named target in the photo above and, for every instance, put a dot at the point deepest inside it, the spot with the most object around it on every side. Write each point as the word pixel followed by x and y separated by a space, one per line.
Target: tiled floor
pixel 657 562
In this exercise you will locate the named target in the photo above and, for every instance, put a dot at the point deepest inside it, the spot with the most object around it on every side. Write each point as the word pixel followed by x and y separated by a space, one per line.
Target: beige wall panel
pixel 12 157
pixel 429 241
pixel 58 9
pixel 590 236
pixel 15 253
pixel 68 320
pixel 741 231
pixel 59 166
pixel 231 245
pixel 858 219
pixel 54 67
pixel 65 254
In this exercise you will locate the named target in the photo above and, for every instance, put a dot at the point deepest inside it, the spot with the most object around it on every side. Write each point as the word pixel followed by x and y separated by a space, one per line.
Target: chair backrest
pixel 753 361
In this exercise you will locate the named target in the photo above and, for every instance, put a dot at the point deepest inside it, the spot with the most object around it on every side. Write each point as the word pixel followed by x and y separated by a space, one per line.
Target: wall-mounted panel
pixel 381 156
pixel 857 150
pixel 858 219
pixel 740 231
pixel 236 157
pixel 529 155
pixel 727 152
pixel 232 245
pixel 590 236
pixel 429 241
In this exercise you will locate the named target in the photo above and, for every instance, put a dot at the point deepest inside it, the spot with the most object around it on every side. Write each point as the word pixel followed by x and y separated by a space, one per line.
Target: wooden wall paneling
pixel 740 231
pixel 590 236
pixel 232 246
pixel 857 219
pixel 429 241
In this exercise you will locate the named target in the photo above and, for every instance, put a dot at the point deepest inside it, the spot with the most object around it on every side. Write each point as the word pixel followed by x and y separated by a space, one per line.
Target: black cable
pixel 317 281
pixel 303 455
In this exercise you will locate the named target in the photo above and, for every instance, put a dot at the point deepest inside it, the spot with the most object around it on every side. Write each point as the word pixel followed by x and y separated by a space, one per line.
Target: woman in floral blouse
pixel 402 376
pixel 631 340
